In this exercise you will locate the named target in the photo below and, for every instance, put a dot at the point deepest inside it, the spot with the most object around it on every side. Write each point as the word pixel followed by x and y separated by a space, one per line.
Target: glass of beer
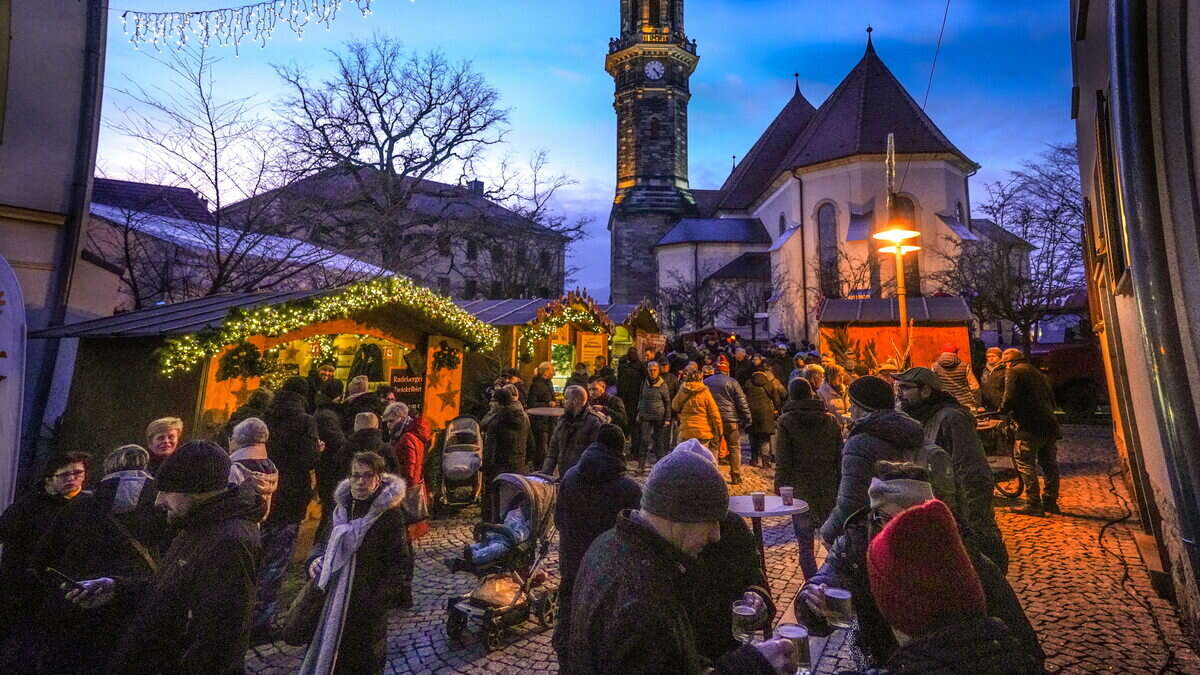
pixel 745 620
pixel 760 500
pixel 798 636
pixel 841 610
pixel 787 494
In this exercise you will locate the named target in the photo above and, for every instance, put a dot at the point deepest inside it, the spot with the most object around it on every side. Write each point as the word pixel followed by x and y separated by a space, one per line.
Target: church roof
pixel 724 230
pixel 754 265
pixel 761 164
pixel 859 114
pixel 999 235
pixel 706 202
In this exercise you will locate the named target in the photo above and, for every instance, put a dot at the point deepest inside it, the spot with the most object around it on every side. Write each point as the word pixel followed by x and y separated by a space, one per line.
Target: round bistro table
pixel 743 505
pixel 545 412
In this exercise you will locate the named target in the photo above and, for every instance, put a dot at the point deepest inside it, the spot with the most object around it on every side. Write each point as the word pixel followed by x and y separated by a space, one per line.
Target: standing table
pixel 743 505
pixel 545 412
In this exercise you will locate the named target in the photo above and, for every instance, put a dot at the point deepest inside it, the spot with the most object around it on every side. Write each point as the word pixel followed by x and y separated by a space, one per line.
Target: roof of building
pixel 761 165
pixel 520 312
pixel 857 117
pixel 706 202
pixel 161 200
pixel 860 226
pixel 926 309
pixel 753 265
pixel 963 232
pixel 725 230
pixel 997 234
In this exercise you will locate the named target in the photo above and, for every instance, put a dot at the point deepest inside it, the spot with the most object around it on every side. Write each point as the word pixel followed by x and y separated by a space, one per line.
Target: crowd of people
pixel 174 559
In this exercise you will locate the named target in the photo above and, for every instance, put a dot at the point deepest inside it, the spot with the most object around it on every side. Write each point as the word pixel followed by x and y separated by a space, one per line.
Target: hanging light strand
pixel 231 26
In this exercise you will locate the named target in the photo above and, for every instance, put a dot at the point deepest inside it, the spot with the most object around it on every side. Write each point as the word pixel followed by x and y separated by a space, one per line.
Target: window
pixel 1108 216
pixel 472 250
pixel 470 289
pixel 782 224
pixel 827 245
pixel 444 284
pixel 544 260
pixel 962 216
pixel 904 213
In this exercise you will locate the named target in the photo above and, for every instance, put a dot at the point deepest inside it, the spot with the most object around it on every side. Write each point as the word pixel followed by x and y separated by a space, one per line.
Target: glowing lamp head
pixel 899 249
pixel 896 235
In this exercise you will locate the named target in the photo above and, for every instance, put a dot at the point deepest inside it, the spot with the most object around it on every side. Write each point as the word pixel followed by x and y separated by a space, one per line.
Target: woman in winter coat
pixel 408 451
pixel 507 433
pixel 541 395
pixel 765 395
pixel 699 417
pixel 357 565
pixel 808 446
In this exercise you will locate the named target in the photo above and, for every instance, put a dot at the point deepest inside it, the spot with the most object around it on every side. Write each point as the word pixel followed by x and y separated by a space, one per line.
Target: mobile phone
pixel 64 578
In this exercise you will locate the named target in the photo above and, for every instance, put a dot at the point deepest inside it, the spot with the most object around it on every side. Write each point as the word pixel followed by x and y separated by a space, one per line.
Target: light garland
pixel 230 26
pixel 558 314
pixel 181 354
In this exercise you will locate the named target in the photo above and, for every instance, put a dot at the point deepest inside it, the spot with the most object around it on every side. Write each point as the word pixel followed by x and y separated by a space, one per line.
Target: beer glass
pixel 745 621
pixel 841 609
pixel 798 636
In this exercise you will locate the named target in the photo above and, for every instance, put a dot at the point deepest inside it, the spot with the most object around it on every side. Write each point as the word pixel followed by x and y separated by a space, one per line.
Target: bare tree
pixel 223 151
pixel 1004 279
pixel 691 301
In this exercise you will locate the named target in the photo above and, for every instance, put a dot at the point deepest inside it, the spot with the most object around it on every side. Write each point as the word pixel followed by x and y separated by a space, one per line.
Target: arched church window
pixel 827 246
pixel 904 213
pixel 782 224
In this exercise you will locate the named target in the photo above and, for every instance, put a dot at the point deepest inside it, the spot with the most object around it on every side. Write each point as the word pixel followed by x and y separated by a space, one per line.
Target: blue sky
pixel 1001 90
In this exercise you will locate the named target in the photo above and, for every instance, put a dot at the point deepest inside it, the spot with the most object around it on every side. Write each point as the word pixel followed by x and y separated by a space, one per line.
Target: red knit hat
pixel 920 573
pixel 723 364
pixel 949 347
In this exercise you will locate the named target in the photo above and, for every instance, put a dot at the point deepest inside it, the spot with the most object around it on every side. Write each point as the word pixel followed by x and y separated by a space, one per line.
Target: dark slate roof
pixel 935 309
pixel 754 265
pixel 761 164
pixel 860 226
pixel 706 202
pixel 990 230
pixel 859 114
pixel 727 230
pixel 520 312
pixel 159 200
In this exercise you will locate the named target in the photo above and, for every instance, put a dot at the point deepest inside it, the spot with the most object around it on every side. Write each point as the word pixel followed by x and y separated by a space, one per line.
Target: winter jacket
pixel 22 525
pixel 629 610
pixel 614 408
pixel 1030 400
pixel 292 446
pixel 808 454
pixel 195 615
pixel 730 398
pixel 970 646
pixel 334 464
pixel 359 404
pixel 765 396
pixel 957 379
pixel 541 395
pixel 367 440
pixel 654 403
pixel 699 417
pixel 409 452
pixel 721 574
pixel 836 402
pixel 883 434
pixel 630 374
pixel 742 370
pixel 781 368
pixel 846 567
pixel 673 383
pixel 991 389
pixel 571 436
pixel 250 464
pixel 378 572
pixel 578 379
pixel 504 445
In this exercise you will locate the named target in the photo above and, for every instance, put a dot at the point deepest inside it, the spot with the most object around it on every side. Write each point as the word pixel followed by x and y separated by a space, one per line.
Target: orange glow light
pixel 896 235
pixel 903 249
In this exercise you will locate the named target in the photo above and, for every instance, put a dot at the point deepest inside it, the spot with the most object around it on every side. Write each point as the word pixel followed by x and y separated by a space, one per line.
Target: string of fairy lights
pixel 573 308
pixel 183 353
pixel 230 26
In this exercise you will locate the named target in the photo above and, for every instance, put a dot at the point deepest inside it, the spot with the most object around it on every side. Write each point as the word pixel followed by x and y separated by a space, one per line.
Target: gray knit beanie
pixel 686 486
pixel 249 432
pixel 903 492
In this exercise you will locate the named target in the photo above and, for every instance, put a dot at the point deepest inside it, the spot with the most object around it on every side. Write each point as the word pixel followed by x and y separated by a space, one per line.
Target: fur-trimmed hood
pixel 390 495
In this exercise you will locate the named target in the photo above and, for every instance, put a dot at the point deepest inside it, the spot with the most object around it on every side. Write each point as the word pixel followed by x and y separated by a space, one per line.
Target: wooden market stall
pixel 870 329
pixel 201 359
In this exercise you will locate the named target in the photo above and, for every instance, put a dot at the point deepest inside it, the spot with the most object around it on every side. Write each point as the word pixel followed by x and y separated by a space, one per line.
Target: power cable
pixel 929 83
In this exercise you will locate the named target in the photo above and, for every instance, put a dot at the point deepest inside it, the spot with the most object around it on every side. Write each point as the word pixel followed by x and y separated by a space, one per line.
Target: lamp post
pixel 896 236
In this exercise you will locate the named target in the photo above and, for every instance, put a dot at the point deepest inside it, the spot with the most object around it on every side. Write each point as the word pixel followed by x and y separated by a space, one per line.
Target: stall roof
pixel 520 312
pixel 934 309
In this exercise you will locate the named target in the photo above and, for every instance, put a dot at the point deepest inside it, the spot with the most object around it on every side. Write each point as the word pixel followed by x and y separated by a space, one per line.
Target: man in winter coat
pixel 952 427
pixel 895 488
pixel 22 525
pixel 333 465
pixel 576 429
pixel 195 614
pixel 163 435
pixel 590 496
pixel 541 395
pixel 991 386
pixel 735 414
pixel 579 378
pixel 654 415
pixel 765 395
pixel 249 461
pixel 607 404
pixel 878 432
pixel 724 571
pixel 295 449
pixel 742 367
pixel 631 371
pixel 1029 399
pixel 808 443
pixel 507 432
pixel 956 377
pixel 629 606
pixel 115 531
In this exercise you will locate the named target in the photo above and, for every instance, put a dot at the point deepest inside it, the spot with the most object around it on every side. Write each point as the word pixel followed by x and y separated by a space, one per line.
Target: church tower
pixel 650 63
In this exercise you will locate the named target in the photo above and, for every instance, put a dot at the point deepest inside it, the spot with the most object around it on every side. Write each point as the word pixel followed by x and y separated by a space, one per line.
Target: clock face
pixel 655 70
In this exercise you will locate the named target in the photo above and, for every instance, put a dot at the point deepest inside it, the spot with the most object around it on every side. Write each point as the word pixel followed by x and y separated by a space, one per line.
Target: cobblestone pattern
pixel 1071 587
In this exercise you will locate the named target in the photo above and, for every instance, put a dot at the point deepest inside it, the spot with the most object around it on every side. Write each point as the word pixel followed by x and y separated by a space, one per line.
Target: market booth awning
pixel 201 358
pixel 873 325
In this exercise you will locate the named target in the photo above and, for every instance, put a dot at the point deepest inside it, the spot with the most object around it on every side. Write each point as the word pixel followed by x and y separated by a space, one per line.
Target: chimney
pixel 476 187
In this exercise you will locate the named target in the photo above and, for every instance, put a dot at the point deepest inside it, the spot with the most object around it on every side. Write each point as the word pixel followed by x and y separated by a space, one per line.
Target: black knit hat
pixel 611 437
pixel 298 385
pixel 800 389
pixel 872 393
pixel 197 466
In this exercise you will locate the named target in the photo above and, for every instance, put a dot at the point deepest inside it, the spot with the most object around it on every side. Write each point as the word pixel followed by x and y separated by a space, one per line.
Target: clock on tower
pixel 651 63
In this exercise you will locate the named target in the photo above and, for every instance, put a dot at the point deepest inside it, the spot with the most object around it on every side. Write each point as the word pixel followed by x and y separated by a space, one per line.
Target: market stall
pixel 201 359
pixel 868 331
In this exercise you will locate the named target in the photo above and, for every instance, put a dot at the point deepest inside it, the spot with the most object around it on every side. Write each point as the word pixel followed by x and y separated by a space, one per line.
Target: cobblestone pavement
pixel 1071 585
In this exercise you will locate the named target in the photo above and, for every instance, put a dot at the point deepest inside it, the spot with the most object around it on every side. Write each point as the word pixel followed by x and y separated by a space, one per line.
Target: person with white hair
pixel 249 461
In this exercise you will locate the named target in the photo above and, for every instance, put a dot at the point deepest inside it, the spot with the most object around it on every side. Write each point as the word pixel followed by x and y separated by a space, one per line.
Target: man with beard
pixel 577 428
pixel 952 427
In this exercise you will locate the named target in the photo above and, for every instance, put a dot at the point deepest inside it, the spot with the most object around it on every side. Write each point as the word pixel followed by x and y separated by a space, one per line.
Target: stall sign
pixel 410 389
pixel 592 345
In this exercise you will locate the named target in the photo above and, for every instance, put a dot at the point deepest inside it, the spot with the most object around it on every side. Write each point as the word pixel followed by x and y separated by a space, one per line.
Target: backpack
pixel 934 457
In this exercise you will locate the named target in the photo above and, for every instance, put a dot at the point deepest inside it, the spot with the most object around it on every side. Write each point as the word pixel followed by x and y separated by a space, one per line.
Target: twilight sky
pixel 1001 90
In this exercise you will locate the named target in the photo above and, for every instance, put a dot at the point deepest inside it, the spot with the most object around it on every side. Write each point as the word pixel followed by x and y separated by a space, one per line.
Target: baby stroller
pixel 507 557
pixel 998 434
pixel 462 461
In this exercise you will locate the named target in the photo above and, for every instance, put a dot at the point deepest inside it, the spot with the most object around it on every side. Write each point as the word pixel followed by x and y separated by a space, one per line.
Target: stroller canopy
pixel 540 492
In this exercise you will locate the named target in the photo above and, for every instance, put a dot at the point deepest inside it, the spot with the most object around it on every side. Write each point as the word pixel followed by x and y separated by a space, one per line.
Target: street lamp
pixel 897 235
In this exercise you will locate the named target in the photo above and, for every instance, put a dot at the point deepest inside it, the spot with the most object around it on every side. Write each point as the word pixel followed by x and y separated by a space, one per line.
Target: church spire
pixel 797 76
pixel 870 44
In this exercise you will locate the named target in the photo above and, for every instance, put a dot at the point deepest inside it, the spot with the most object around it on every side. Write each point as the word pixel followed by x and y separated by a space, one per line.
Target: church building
pixel 797 213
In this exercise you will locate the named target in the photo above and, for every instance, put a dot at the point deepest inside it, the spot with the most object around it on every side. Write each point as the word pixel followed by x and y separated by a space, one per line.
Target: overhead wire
pixel 929 83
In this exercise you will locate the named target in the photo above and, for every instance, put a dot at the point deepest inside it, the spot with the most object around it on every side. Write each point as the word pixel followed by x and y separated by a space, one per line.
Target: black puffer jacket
pixel 571 436
pixel 972 646
pixel 721 574
pixel 293 447
pixel 808 454
pixel 21 526
pixel 1030 400
pixel 614 408
pixel 334 464
pixel 630 374
pixel 883 434
pixel 765 396
pixel 507 435
pixel 195 616
pixel 629 610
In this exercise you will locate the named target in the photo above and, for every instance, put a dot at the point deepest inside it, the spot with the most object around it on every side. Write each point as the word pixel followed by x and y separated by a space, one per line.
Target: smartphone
pixel 64 578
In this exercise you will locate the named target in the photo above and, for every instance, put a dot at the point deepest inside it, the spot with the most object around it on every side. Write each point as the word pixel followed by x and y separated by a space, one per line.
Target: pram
pixel 462 461
pixel 998 434
pixel 507 557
